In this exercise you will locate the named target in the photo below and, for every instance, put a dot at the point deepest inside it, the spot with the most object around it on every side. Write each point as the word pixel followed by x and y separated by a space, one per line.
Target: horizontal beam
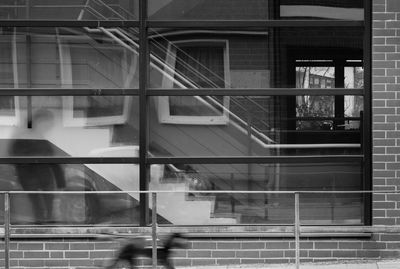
pixel 182 23
pixel 177 92
pixel 114 232
pixel 66 92
pixel 253 92
pixel 261 24
pixel 68 160
pixel 186 160
pixel 68 23
pixel 213 192
pixel 257 160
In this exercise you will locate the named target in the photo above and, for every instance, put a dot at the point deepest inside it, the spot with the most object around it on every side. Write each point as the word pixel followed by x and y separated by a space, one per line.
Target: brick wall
pixel 90 253
pixel 386 110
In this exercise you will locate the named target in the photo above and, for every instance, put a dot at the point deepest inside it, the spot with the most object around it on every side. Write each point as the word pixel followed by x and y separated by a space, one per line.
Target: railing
pixel 296 230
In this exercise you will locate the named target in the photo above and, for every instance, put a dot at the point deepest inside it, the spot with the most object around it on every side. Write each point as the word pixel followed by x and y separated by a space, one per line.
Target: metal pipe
pixel 154 228
pixel 7 230
pixel 297 227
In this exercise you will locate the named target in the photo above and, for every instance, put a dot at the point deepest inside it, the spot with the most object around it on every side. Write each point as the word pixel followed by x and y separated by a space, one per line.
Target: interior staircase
pixel 173 203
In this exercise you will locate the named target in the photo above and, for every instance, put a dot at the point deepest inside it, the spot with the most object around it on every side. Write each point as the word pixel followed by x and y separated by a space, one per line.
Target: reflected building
pixel 194 95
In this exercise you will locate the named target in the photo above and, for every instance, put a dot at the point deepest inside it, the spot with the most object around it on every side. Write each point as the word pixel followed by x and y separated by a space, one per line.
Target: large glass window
pixel 222 95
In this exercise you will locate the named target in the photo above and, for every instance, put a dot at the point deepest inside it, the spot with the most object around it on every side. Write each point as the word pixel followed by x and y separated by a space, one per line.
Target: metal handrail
pixel 297 230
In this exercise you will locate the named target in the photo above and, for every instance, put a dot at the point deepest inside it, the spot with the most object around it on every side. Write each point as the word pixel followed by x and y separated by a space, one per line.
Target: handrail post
pixel 297 227
pixel 7 230
pixel 154 228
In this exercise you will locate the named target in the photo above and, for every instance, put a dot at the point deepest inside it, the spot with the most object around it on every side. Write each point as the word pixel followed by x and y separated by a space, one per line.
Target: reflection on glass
pixel 353 105
pixel 69 58
pixel 209 58
pixel 69 10
pixel 254 9
pixel 324 9
pixel 113 122
pixel 240 208
pixel 198 60
pixel 254 126
pixel 315 106
pixel 208 10
pixel 315 77
pixel 192 106
pixel 77 208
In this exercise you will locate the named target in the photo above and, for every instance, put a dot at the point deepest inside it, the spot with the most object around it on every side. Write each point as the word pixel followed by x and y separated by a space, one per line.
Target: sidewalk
pixel 389 264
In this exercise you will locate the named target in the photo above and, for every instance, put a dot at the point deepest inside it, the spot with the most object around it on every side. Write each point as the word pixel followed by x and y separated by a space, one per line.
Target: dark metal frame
pixel 144 93
pixel 367 123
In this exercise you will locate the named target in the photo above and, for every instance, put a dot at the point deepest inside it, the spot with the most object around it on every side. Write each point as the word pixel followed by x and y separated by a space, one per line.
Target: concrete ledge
pixel 390 264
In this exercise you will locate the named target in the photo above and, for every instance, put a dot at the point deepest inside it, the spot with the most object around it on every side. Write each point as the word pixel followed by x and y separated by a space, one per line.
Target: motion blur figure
pixel 39 177
pixel 127 256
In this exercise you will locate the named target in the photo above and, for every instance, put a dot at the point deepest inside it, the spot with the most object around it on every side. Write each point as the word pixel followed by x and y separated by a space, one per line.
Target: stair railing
pixel 115 32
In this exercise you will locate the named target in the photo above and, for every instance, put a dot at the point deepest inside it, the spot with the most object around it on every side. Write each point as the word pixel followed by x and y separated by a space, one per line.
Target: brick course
pixel 92 253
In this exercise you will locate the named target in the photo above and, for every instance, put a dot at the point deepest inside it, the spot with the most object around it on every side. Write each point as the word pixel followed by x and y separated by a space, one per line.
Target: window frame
pixel 66 78
pixel 163 105
pixel 14 120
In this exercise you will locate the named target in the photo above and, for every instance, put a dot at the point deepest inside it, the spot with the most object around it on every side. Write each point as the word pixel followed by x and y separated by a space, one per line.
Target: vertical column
pixel 154 228
pixel 367 115
pixel 297 228
pixel 143 108
pixel 339 99
pixel 6 230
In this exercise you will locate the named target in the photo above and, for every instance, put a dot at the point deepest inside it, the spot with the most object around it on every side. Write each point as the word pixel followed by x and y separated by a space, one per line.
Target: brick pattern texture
pixel 92 253
pixel 386 111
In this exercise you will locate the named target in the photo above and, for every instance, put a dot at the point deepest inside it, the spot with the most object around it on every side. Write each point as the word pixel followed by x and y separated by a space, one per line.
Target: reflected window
pixel 329 112
pixel 315 106
pixel 9 105
pixel 195 64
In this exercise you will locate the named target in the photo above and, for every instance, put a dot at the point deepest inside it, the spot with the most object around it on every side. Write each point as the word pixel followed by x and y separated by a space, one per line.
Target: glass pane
pixel 69 58
pixel 315 106
pixel 255 9
pixel 192 106
pixel 353 105
pixel 322 9
pixel 249 126
pixel 354 77
pixel 73 208
pixel 315 77
pixel 191 208
pixel 272 58
pixel 69 10
pixel 60 126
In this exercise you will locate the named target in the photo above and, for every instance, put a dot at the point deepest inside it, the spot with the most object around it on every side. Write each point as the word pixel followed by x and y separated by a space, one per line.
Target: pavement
pixel 389 264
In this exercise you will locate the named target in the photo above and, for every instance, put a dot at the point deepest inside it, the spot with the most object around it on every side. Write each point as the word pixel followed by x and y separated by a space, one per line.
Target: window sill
pixel 256 231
